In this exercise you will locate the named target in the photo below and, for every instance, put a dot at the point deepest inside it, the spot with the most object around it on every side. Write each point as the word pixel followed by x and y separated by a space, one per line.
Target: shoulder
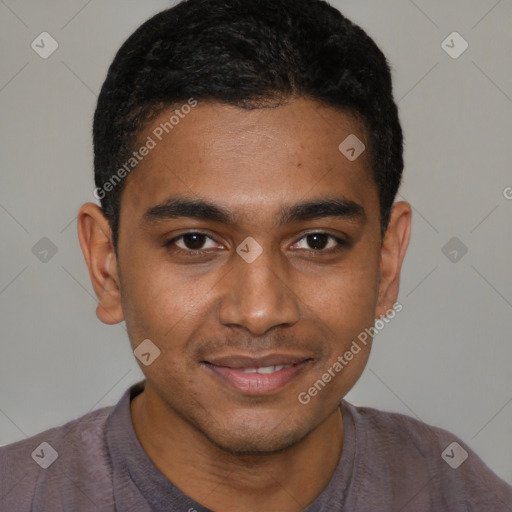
pixel 396 429
pixel 415 461
pixel 57 466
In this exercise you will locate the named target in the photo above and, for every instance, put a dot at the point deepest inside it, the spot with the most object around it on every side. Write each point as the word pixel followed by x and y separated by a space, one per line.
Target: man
pixel 247 157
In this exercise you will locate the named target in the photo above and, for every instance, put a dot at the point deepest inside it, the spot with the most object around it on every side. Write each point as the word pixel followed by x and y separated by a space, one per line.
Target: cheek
pixel 164 301
pixel 347 307
pixel 160 301
pixel 348 292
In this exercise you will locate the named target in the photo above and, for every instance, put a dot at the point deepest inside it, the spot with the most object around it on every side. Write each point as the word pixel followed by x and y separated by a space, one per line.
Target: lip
pixel 229 370
pixel 252 361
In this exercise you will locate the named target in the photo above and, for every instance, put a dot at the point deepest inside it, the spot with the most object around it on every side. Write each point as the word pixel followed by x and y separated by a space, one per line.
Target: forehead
pixel 251 161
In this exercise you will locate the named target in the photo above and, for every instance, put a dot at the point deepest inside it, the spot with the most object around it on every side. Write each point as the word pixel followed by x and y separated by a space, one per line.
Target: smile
pixel 266 369
pixel 253 379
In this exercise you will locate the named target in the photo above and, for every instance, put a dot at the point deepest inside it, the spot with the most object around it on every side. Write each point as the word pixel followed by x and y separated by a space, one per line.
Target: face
pixel 250 255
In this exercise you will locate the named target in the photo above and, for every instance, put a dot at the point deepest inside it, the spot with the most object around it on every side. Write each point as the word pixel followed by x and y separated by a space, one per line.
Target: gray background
pixel 444 359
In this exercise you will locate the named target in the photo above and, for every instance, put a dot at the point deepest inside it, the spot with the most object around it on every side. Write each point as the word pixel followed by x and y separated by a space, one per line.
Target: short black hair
pixel 251 54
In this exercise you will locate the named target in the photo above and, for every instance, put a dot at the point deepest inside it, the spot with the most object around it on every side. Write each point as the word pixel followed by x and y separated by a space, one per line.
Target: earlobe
pixel 96 242
pixel 394 247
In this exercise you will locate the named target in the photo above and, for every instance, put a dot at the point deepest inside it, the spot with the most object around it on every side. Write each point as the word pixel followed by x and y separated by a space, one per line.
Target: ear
pixel 396 240
pixel 95 238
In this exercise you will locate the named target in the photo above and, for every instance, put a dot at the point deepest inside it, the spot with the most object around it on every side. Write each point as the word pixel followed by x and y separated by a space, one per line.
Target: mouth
pixel 257 375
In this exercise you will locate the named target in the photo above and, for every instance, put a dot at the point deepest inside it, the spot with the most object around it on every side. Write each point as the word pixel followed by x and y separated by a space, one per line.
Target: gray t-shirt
pixel 390 463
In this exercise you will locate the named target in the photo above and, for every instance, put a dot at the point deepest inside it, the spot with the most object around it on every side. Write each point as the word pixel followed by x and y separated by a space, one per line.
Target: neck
pixel 287 481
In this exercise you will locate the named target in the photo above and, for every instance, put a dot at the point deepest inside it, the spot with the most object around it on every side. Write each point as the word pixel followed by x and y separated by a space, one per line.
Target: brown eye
pixel 193 241
pixel 320 242
pixel 317 241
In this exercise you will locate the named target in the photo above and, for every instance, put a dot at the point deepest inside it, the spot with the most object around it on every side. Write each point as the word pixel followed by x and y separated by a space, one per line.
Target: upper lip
pixel 253 361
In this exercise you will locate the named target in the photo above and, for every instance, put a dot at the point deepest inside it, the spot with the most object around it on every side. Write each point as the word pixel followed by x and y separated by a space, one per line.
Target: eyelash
pixel 341 244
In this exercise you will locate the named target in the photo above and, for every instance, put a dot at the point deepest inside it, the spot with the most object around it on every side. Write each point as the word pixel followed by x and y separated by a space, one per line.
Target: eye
pixel 193 243
pixel 320 242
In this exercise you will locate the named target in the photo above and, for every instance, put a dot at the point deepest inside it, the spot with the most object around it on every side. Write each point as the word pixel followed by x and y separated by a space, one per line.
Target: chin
pixel 249 439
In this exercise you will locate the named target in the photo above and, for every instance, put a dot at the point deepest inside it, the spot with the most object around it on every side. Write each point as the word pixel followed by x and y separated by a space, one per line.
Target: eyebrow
pixel 180 207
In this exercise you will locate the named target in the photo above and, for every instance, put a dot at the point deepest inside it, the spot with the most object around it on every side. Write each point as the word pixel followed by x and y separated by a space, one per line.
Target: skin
pixel 225 449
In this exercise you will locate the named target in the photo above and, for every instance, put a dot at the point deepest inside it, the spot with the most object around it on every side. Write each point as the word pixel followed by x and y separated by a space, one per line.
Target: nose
pixel 257 297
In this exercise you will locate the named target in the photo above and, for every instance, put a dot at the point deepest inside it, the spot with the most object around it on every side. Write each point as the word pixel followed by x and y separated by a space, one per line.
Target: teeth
pixel 266 369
